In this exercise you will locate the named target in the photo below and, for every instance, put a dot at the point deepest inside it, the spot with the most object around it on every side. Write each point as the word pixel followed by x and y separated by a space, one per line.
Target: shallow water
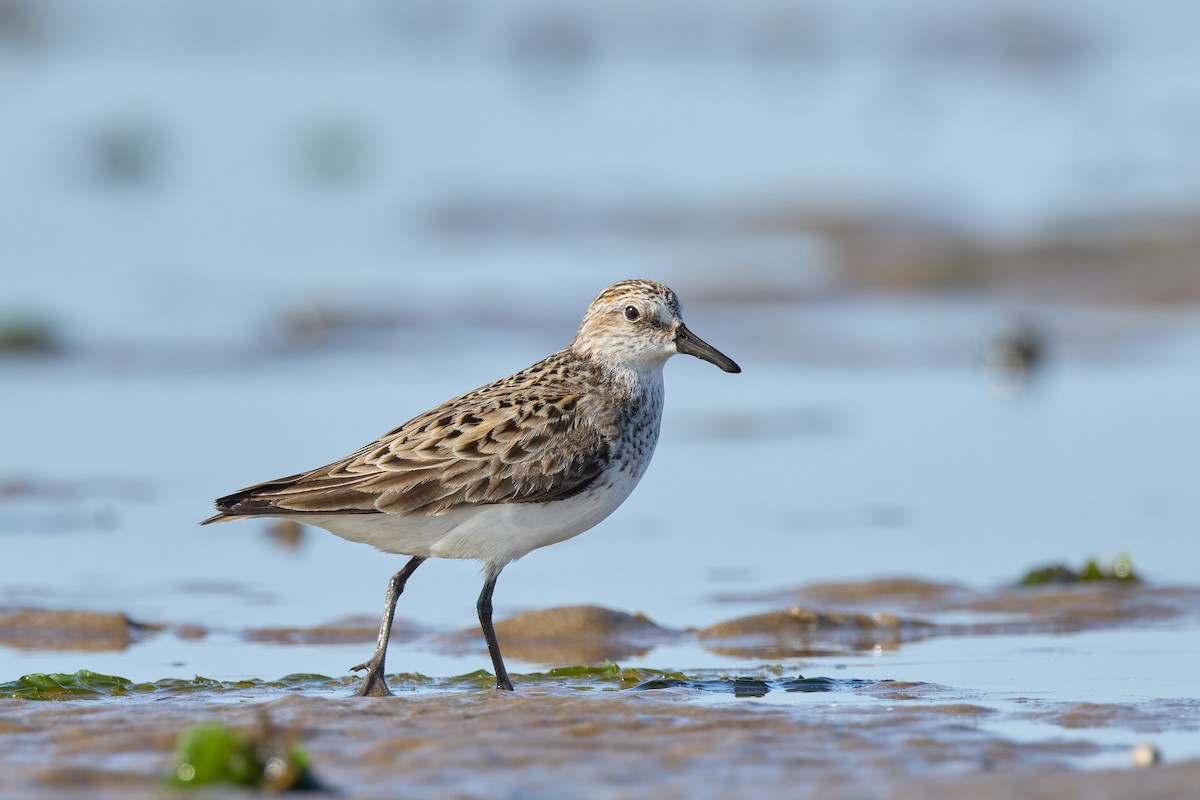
pixel 908 469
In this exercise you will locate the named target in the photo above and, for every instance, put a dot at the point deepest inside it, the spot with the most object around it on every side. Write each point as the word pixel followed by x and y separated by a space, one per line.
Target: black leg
pixel 373 684
pixel 489 633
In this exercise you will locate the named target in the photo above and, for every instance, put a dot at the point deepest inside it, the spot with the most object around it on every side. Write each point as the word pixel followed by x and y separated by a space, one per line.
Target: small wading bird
pixel 530 460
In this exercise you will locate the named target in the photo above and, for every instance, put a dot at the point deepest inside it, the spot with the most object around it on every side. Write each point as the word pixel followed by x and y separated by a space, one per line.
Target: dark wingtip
pixel 227 506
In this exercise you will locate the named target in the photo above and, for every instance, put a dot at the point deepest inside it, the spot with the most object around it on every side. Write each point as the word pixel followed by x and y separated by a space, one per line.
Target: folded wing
pixel 463 454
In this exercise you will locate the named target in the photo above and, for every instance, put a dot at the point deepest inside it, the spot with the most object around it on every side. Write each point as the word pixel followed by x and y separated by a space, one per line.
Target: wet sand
pixel 613 732
pixel 553 742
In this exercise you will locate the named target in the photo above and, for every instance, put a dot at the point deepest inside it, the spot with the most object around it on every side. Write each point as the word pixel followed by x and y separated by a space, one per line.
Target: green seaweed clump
pixel 62 686
pixel 87 684
pixel 605 676
pixel 1121 571
pixel 213 754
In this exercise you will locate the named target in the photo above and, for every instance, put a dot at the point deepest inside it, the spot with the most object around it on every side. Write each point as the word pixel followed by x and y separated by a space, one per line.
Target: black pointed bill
pixel 690 344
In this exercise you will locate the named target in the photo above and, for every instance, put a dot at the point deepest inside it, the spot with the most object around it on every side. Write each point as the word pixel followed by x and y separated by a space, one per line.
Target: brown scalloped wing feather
pixel 484 447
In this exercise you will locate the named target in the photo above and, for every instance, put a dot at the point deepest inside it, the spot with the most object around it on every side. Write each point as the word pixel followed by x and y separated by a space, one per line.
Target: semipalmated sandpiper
pixel 530 460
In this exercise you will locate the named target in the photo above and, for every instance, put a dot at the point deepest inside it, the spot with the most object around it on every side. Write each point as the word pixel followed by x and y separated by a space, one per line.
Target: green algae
pixel 215 754
pixel 63 686
pixel 607 676
pixel 87 684
pixel 1119 571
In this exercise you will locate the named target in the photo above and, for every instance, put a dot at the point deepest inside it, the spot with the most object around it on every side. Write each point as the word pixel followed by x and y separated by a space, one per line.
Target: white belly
pixel 497 534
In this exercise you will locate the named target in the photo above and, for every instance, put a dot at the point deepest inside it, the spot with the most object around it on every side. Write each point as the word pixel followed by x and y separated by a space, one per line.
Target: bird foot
pixel 373 686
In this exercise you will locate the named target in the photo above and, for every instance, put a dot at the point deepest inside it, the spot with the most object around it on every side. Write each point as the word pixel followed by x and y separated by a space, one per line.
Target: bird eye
pixel 631 313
